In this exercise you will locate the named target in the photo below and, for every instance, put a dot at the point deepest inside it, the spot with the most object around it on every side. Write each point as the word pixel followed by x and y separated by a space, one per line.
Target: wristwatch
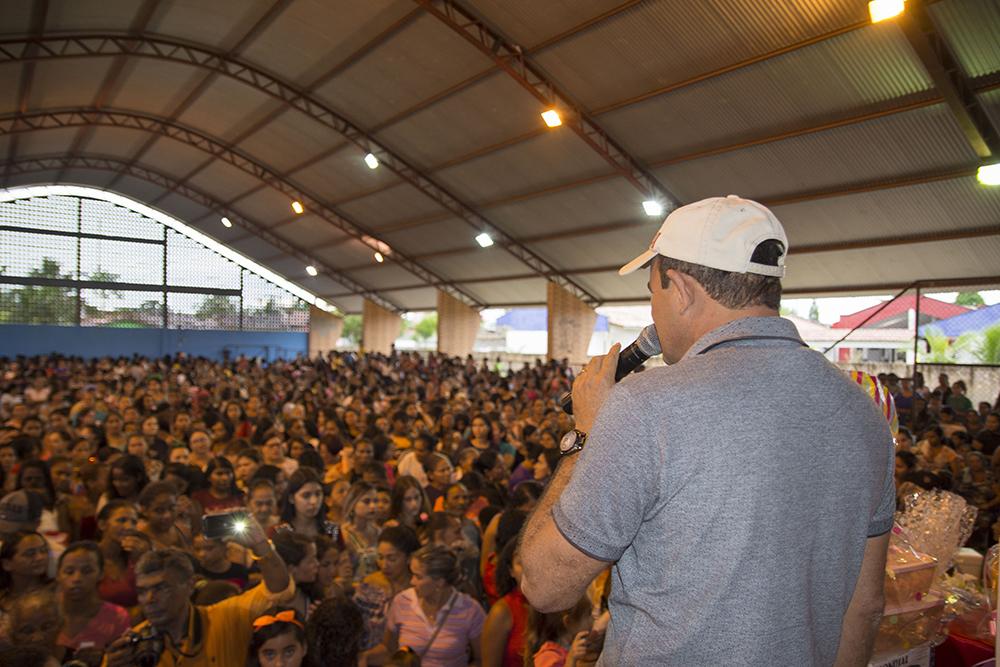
pixel 572 442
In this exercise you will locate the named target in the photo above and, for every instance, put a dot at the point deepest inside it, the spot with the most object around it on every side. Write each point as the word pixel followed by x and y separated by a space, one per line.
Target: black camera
pixel 147 646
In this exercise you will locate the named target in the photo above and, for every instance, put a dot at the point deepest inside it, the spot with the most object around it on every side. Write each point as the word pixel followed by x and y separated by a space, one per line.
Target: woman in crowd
pixel 395 547
pixel 302 506
pixel 339 488
pixel 247 463
pixel 222 495
pixel 299 554
pixel 335 574
pixel 34 621
pixel 114 437
pixel 214 564
pixel 334 632
pixel 408 504
pixel 158 508
pixel 439 473
pixel 128 478
pixel 24 566
pixel 457 618
pixel 34 476
pixel 278 640
pixel 503 633
pixel 360 532
pixel 88 621
pixel 200 446
pixel 121 545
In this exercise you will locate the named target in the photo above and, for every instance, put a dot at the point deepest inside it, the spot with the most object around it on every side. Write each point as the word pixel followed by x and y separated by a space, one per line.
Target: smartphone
pixel 221 526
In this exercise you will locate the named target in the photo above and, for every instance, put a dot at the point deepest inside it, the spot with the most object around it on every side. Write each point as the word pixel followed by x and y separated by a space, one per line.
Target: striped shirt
pixel 463 626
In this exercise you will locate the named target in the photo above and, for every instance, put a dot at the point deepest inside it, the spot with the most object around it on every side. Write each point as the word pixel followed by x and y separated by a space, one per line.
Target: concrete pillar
pixel 457 327
pixel 379 328
pixel 570 325
pixel 325 330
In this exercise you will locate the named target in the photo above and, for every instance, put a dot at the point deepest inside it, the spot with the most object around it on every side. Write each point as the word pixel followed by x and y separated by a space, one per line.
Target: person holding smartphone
pixel 179 632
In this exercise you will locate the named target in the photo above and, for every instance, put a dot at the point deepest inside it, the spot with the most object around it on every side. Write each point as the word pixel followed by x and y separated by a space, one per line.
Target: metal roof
pixel 860 141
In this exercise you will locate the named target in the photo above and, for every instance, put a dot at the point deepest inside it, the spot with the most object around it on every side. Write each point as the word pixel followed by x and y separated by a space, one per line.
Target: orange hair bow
pixel 287 616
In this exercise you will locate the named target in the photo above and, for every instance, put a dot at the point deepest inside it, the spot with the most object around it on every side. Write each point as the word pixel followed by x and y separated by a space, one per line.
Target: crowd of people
pixel 349 510
pixel 946 442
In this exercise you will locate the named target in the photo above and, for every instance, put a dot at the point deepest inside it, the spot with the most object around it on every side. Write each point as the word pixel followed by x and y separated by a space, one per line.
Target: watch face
pixel 568 442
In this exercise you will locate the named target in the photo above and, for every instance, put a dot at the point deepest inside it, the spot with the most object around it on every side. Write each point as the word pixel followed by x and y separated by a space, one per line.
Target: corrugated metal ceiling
pixel 480 137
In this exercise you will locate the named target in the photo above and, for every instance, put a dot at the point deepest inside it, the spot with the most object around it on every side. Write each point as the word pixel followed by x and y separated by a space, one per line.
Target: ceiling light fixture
pixel 371 161
pixel 880 10
pixel 297 207
pixel 378 257
pixel 551 118
pixel 484 240
pixel 226 223
pixel 652 208
pixel 989 174
pixel 311 270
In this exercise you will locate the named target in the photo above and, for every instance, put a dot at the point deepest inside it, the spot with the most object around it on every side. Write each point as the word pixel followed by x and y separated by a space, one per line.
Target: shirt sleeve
pixel 885 512
pixel 477 621
pixel 615 482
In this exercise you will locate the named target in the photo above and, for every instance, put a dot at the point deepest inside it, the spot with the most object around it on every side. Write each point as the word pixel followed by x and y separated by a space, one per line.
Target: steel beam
pixel 12 123
pixel 114 164
pixel 949 79
pixel 221 63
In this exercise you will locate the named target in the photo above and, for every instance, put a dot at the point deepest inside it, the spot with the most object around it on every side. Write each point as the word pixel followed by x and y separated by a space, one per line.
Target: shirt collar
pixel 744 328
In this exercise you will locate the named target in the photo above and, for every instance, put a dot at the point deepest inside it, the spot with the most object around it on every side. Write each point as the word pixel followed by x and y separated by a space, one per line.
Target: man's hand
pixel 119 652
pixel 591 387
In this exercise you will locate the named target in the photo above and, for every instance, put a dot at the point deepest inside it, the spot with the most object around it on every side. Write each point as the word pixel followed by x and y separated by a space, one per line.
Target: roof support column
pixel 457 326
pixel 570 325
pixel 379 328
pixel 325 330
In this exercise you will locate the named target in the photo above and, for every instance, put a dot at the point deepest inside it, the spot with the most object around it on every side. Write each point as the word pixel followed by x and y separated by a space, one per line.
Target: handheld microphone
pixel 644 347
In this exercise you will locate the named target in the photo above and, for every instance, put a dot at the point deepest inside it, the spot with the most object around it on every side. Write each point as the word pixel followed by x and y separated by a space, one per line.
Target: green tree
pixel 42 304
pixel 970 300
pixel 352 328
pixel 814 311
pixel 426 328
pixel 939 347
pixel 217 307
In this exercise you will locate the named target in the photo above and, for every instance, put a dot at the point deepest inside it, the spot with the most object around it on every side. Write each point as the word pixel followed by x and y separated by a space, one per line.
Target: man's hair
pixel 166 560
pixel 734 290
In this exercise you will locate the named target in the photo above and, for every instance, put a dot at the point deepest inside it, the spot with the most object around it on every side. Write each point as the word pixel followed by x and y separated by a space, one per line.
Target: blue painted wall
pixel 90 342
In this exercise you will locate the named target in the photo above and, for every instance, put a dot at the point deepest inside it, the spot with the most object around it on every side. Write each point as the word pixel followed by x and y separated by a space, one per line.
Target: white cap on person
pixel 718 232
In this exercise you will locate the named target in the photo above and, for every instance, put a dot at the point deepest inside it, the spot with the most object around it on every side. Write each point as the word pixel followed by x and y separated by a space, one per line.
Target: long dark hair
pixel 404 484
pixel 49 486
pixel 131 466
pixel 334 633
pixel 298 479
pixel 222 462
pixel 7 551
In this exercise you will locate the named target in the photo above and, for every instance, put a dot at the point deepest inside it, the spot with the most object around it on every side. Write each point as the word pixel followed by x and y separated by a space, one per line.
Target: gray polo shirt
pixel 734 490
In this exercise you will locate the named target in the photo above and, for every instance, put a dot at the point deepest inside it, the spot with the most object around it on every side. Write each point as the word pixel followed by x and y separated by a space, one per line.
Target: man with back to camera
pixel 744 492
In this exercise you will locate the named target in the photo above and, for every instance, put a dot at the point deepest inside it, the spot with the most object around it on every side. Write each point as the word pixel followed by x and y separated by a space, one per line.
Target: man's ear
pixel 687 290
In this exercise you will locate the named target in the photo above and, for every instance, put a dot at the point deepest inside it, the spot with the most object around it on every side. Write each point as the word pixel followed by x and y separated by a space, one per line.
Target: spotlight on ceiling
pixel 311 270
pixel 297 207
pixel 371 161
pixel 484 240
pixel 551 118
pixel 226 223
pixel 880 10
pixel 378 257
pixel 652 208
pixel 989 174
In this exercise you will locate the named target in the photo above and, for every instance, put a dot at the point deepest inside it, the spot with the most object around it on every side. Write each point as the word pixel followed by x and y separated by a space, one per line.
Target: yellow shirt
pixel 219 635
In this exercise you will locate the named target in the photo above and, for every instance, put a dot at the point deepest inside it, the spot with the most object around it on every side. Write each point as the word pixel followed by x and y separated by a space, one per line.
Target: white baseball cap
pixel 718 232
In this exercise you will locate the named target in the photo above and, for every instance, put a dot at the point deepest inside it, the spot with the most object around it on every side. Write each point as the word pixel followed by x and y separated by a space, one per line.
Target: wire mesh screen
pixel 72 260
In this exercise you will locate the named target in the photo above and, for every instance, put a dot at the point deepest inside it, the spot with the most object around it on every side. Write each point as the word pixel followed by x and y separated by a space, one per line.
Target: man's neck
pixel 178 629
pixel 718 316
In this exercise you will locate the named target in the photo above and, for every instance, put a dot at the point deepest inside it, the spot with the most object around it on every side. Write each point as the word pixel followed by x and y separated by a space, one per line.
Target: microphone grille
pixel 648 342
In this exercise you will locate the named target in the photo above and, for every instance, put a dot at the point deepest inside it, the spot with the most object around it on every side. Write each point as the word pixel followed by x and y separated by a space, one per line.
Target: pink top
pixel 462 626
pixel 107 625
pixel 551 654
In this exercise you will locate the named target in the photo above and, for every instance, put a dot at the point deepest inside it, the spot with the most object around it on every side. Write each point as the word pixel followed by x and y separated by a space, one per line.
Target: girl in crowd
pixel 279 640
pixel 214 565
pixel 335 501
pixel 299 554
pixel 88 621
pixel 158 506
pixel 395 547
pixel 559 639
pixel 481 434
pixel 408 505
pixel 200 444
pixel 302 506
pixel 128 478
pixel 503 634
pixel 34 621
pixel 334 632
pixel 458 619
pixel 360 532
pixel 222 494
pixel 247 462
pixel 439 474
pixel 121 545
pixel 151 430
pixel 34 476
pixel 114 437
pixel 24 566
pixel 335 573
